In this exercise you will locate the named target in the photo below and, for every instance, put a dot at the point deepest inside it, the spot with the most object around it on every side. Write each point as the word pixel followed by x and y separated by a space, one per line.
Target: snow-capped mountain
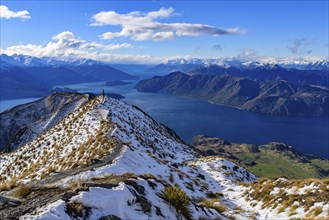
pixel 182 61
pixel 88 62
pixel 295 63
pixel 110 160
pixel 316 65
pixel 297 71
pixel 21 60
pixel 308 63
pixel 30 61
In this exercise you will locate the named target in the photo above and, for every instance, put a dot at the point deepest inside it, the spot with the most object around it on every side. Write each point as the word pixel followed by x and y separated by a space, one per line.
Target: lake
pixel 192 117
pixel 7 104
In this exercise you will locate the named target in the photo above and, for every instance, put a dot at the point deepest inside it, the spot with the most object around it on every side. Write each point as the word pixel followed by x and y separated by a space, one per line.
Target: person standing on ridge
pixel 103 95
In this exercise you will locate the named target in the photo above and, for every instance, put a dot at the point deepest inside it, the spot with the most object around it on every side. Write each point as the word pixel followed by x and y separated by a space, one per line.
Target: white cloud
pixel 248 54
pixel 162 13
pixel 7 14
pixel 66 45
pixel 117 46
pixel 163 36
pixel 144 26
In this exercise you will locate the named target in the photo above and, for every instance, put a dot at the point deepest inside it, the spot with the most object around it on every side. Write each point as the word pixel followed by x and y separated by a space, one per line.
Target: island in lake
pixel 117 83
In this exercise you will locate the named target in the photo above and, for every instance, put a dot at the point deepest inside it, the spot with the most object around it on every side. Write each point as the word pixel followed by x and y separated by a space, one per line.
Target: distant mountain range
pixel 302 72
pixel 274 97
pixel 24 76
pixel 241 63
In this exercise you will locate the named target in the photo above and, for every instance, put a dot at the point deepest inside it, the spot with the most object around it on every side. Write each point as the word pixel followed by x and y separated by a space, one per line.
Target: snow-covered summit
pixel 88 62
pixel 30 61
pixel 308 63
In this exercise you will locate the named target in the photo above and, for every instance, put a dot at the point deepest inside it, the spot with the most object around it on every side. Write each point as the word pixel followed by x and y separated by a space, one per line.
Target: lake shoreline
pixel 190 117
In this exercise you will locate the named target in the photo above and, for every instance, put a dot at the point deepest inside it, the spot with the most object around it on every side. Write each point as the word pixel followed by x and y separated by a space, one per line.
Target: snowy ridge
pixel 307 63
pixel 303 63
pixel 50 151
pixel 292 198
pixel 149 150
pixel 30 61
pixel 117 162
pixel 24 127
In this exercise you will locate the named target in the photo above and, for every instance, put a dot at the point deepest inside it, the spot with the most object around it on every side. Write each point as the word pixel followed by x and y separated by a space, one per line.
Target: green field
pixel 272 160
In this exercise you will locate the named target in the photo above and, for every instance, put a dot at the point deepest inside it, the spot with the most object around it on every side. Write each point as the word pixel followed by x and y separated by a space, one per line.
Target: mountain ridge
pixel 25 122
pixel 296 63
pixel 108 159
pixel 275 97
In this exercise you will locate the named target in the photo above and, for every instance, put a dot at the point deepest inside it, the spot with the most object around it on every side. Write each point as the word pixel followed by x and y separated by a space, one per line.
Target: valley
pixel 164 110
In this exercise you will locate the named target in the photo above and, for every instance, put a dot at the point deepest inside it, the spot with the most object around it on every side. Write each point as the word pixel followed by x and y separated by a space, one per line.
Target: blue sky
pixel 215 29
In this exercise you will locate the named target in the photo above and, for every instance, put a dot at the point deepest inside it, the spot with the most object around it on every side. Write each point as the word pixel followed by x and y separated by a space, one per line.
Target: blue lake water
pixel 192 117
pixel 7 104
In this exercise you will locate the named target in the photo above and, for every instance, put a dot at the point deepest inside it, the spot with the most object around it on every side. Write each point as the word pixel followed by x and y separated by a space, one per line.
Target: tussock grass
pixel 9 185
pixel 41 157
pixel 214 204
pixel 315 212
pixel 282 200
pixel 22 191
pixel 177 198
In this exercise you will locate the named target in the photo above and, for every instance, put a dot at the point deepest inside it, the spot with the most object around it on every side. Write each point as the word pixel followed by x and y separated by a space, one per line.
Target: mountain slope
pixel 271 160
pixel 129 142
pixel 276 97
pixel 58 75
pixel 268 72
pixel 110 160
pixel 16 81
pixel 24 123
pixel 101 72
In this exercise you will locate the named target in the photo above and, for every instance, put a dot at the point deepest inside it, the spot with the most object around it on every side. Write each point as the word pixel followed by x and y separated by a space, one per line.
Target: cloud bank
pixel 140 26
pixel 66 45
pixel 136 25
pixel 7 14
